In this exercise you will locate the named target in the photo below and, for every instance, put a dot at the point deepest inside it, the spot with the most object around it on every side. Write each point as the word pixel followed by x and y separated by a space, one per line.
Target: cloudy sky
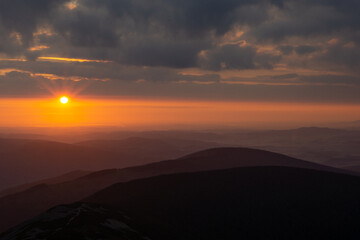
pixel 302 51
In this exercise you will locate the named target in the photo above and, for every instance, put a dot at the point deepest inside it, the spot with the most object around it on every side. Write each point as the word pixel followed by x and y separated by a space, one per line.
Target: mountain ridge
pixel 263 202
pixel 23 205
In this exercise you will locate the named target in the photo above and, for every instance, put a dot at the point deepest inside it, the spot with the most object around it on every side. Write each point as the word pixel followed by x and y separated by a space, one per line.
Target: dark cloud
pixel 299 50
pixel 154 42
pixel 193 18
pixel 223 91
pixel 109 79
pixel 341 56
pixel 135 32
pixel 10 82
pixel 86 28
pixel 285 76
pixel 158 52
pixel 266 60
pixel 104 71
pixel 312 18
pixel 9 44
pixel 286 49
pixel 236 57
pixel 305 49
pixel 328 79
pixel 24 16
pixel 229 57
pixel 32 55
pixel 151 33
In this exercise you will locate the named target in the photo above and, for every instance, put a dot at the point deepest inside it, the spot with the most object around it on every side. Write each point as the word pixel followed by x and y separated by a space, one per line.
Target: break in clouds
pixel 251 50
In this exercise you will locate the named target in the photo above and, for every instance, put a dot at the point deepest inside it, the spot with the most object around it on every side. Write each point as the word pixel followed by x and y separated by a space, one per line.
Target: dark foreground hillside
pixel 78 221
pixel 23 205
pixel 241 203
pixel 248 203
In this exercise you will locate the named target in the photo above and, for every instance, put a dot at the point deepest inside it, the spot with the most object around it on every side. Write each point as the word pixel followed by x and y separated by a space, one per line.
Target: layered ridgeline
pixel 54 180
pixel 268 202
pixel 328 146
pixel 26 160
pixel 23 205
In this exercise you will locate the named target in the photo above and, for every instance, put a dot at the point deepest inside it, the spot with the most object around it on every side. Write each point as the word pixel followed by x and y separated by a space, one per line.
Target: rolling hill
pixel 24 160
pixel 242 203
pixel 23 205
pixel 264 202
pixel 59 179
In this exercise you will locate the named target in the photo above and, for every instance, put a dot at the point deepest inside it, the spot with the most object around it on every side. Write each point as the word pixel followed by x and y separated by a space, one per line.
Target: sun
pixel 64 100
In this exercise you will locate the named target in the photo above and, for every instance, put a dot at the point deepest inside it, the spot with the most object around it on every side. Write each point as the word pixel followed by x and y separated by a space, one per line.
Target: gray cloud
pixel 193 18
pixel 311 18
pixel 341 56
pixel 191 89
pixel 305 49
pixel 300 50
pixel 10 82
pixel 345 80
pixel 236 57
pixel 143 33
pixel 134 32
pixel 151 42
pixel 24 16
pixel 158 52
pixel 286 49
pixel 229 57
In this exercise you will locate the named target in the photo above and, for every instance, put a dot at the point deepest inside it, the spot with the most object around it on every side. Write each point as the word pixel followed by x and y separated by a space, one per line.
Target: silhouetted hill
pixel 23 205
pixel 168 134
pixel 30 160
pixel 63 178
pixel 312 143
pixel 24 160
pixel 160 148
pixel 317 144
pixel 240 203
pixel 355 168
pixel 243 203
pixel 76 221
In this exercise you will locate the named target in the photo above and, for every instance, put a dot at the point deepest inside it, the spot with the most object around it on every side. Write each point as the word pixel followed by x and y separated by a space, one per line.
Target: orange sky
pixel 131 113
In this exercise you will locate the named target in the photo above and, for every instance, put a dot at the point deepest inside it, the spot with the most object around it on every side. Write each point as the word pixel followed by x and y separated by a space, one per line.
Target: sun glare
pixel 64 100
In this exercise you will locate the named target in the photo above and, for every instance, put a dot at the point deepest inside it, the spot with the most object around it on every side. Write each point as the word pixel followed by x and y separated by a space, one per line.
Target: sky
pixel 190 62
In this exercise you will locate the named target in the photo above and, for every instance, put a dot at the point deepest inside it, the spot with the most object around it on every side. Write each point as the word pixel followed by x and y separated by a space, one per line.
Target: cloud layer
pixel 210 48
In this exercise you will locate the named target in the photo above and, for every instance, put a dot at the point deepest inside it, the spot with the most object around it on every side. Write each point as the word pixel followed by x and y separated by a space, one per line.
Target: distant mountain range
pixel 23 205
pixel 128 175
pixel 101 150
pixel 59 179
pixel 25 160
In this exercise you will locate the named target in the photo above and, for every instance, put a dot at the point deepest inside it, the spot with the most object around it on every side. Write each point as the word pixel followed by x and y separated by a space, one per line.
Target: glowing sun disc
pixel 64 100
